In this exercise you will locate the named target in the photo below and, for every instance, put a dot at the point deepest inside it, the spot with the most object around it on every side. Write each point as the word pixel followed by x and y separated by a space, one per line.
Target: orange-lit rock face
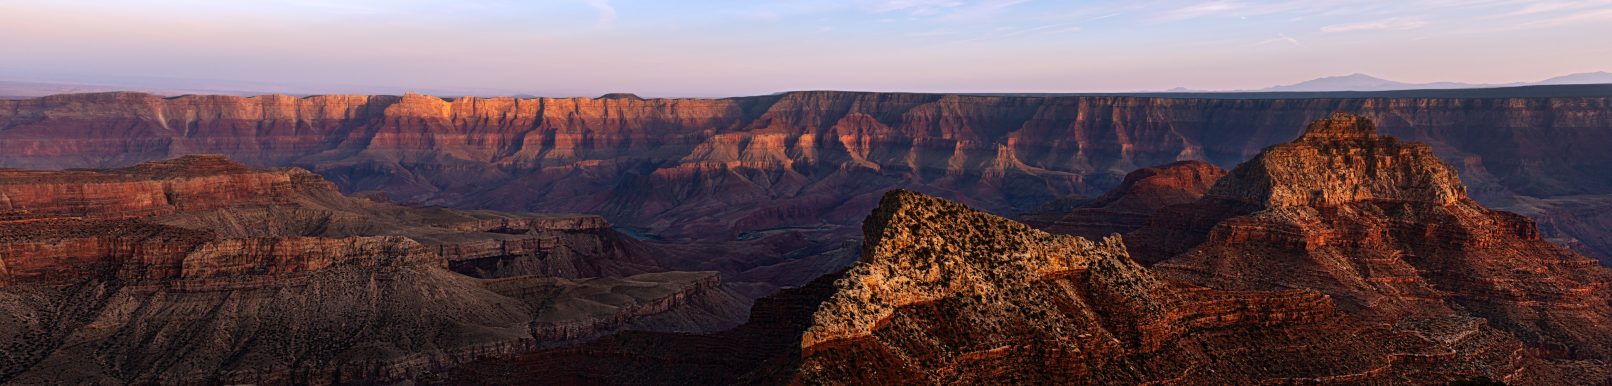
pixel 193 183
pixel 1339 161
pixel 1385 229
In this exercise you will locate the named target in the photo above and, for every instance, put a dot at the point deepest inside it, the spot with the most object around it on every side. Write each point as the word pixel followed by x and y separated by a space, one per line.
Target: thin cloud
pixel 607 12
pixel 1281 38
pixel 1398 23
pixel 928 34
pixel 983 10
pixel 1600 16
pixel 1213 8
pixel 1551 7
pixel 915 7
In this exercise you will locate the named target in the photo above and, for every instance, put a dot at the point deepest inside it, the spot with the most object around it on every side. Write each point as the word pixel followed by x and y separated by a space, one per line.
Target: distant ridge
pixel 1540 91
pixel 31 88
pixel 1363 82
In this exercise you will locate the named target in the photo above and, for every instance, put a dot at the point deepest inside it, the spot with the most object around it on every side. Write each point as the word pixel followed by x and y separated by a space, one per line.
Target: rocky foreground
pixel 1344 257
pixel 200 270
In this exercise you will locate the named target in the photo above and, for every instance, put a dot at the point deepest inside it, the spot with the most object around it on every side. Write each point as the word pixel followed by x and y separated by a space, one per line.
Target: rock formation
pixel 1129 206
pixel 1344 257
pixel 213 193
pixel 201 270
pixel 1387 230
pixel 947 295
pixel 1359 257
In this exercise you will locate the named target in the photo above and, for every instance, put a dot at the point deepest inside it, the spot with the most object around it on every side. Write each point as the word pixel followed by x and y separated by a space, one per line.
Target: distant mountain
pixel 28 89
pixel 1352 82
pixel 1363 82
pixel 1584 78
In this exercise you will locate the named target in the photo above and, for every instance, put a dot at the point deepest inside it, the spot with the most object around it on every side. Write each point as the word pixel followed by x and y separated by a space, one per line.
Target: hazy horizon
pixel 714 48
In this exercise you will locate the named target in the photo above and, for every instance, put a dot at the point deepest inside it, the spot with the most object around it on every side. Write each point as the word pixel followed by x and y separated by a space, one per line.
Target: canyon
pixel 1342 257
pixel 715 169
pixel 201 270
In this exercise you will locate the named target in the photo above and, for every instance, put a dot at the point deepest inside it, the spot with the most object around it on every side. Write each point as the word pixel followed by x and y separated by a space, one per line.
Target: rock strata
pixel 200 270
pixel 788 165
pixel 716 168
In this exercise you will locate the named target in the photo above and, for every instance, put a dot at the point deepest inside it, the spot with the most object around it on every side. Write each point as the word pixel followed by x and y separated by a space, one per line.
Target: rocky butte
pixel 1343 257
pixel 1129 206
pixel 201 270
pixel 1387 230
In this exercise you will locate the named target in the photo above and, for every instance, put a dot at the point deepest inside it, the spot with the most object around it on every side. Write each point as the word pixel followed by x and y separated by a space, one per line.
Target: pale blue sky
pixel 733 47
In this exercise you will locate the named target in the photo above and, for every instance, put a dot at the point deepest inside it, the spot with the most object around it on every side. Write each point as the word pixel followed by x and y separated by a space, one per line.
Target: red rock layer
pixel 151 189
pixel 1388 231
pixel 1127 207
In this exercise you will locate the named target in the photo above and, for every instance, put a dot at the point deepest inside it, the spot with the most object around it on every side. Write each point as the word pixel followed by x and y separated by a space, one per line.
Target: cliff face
pixel 200 270
pixel 210 193
pixel 1387 230
pixel 718 168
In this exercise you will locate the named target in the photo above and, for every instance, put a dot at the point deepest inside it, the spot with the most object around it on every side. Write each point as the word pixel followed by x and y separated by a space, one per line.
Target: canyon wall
pixel 720 168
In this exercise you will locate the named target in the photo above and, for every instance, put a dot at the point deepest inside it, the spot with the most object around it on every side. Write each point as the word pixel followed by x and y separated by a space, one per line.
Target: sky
pixel 713 48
